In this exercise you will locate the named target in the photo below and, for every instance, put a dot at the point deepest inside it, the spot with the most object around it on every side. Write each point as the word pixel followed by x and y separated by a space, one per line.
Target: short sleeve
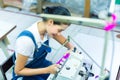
pixel 25 46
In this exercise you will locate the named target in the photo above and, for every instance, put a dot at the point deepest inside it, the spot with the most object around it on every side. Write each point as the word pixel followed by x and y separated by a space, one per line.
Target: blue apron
pixel 38 61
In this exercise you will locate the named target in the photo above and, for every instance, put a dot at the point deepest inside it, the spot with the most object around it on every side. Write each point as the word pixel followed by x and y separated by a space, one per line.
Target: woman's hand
pixel 53 68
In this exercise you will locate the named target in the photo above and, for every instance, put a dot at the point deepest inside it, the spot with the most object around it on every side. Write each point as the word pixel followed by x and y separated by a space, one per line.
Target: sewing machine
pixel 70 72
pixel 73 68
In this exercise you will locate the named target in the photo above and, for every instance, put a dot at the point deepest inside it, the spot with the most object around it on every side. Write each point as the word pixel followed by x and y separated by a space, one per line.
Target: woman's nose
pixel 58 33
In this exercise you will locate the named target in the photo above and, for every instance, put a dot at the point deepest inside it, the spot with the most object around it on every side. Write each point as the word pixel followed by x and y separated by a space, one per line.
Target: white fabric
pixel 24 44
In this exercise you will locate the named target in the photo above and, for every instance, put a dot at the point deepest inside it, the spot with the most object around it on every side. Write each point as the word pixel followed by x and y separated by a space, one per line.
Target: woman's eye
pixel 60 30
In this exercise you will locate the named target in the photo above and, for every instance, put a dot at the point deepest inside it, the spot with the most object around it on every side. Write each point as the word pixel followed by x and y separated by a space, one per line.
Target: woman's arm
pixel 21 70
pixel 61 39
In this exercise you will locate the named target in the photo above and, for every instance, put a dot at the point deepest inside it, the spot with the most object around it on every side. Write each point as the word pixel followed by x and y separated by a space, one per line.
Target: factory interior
pixel 94 31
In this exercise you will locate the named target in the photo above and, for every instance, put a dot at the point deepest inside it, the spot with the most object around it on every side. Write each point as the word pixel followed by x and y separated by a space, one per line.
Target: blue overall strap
pixel 30 35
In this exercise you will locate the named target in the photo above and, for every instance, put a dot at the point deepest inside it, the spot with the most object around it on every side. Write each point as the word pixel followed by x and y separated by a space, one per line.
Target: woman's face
pixel 55 29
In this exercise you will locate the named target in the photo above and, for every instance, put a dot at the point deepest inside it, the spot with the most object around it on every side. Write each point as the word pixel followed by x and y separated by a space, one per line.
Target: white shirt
pixel 25 45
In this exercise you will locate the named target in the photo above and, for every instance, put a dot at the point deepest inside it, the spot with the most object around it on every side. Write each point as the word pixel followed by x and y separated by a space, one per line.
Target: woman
pixel 32 47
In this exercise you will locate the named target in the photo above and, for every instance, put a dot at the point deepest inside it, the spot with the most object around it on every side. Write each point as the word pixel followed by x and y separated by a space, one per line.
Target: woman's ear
pixel 50 22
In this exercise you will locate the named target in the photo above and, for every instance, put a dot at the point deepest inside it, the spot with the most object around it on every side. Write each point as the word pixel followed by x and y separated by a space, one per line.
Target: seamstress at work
pixel 30 62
